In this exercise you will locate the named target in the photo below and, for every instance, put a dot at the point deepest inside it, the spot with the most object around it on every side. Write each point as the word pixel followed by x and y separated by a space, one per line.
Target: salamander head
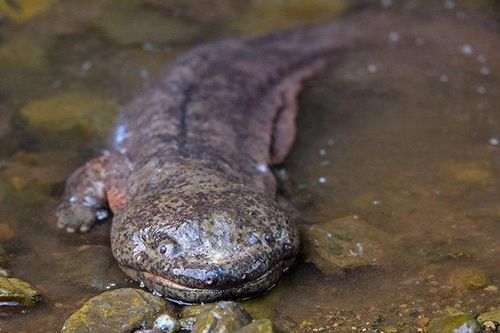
pixel 199 244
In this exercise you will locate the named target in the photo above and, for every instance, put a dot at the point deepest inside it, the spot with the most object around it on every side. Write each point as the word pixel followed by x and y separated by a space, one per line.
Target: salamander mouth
pixel 186 294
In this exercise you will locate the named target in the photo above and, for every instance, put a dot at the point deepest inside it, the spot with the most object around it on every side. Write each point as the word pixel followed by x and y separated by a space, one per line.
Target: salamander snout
pixel 203 245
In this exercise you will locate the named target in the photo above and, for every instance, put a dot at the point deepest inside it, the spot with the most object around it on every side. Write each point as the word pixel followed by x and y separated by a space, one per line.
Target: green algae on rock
pixel 117 311
pixel 222 317
pixel 18 292
pixel 71 112
pixel 258 326
pixel 453 323
pixel 343 244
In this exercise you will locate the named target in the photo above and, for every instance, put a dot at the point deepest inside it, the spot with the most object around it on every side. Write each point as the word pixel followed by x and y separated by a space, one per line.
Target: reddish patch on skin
pixel 116 199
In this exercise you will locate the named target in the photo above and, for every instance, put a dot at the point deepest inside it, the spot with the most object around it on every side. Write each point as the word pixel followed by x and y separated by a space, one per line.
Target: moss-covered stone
pixel 343 244
pixel 258 326
pixel 116 311
pixel 222 317
pixel 21 11
pixel 72 113
pixel 453 323
pixel 18 291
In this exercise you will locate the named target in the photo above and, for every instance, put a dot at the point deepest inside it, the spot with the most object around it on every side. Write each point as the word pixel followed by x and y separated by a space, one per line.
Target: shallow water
pixel 401 132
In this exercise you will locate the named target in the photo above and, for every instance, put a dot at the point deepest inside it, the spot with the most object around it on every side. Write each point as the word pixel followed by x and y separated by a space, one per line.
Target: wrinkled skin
pixel 187 174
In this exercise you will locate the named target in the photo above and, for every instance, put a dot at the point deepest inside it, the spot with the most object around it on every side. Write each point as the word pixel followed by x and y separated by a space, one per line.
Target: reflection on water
pixel 395 171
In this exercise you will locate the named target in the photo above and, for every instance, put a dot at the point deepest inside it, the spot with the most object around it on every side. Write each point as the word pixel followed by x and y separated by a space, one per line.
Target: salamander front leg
pixel 85 197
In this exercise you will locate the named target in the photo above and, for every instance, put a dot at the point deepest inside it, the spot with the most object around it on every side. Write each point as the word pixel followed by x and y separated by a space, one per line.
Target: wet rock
pixel 21 11
pixel 344 244
pixel 222 317
pixel 166 324
pixel 76 113
pixel 16 292
pixel 493 315
pixel 454 323
pixel 125 23
pixel 469 278
pixel 258 326
pixel 121 310
pixel 6 232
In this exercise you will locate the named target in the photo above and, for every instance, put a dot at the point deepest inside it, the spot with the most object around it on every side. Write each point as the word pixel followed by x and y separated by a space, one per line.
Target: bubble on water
pixel 481 90
pixel 331 142
pixel 322 180
pixel 386 3
pixel 141 284
pixel 467 49
pixel 449 4
pixel 485 70
pixel 376 202
pixel 394 37
pixel 322 152
pixel 494 141
pixel 372 68
pixel 444 78
pixel 324 163
pixel 419 41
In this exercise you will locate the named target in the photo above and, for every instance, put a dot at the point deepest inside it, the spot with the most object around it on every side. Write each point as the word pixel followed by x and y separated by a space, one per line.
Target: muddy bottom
pixel 394 174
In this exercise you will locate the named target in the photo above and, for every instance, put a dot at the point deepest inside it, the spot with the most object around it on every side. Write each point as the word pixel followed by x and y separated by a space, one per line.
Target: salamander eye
pixel 163 249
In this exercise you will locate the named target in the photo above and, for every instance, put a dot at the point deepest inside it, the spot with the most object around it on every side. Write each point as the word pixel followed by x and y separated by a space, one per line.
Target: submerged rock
pixel 343 244
pixel 23 52
pixel 38 173
pixel 71 113
pixel 469 278
pixel 454 323
pixel 15 292
pixel 124 22
pixel 258 326
pixel 267 15
pixel 222 317
pixel 21 11
pixel 121 310
pixel 6 232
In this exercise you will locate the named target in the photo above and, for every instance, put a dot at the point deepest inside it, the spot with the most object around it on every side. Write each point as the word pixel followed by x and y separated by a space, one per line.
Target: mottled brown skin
pixel 187 176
